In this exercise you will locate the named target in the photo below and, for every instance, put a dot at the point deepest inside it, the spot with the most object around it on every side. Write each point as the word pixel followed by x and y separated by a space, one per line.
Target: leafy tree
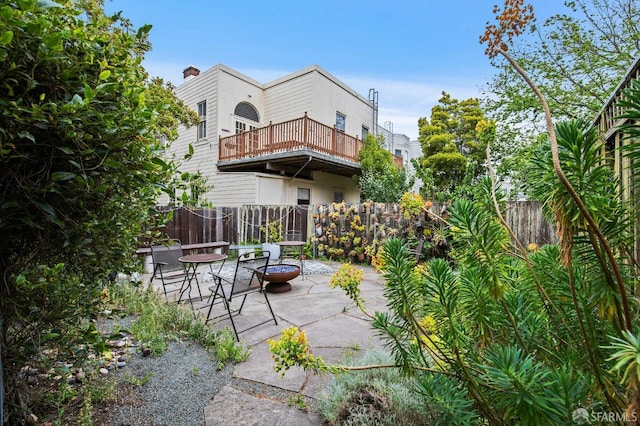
pixel 185 188
pixel 381 180
pixel 451 148
pixel 80 171
pixel 576 59
pixel 174 111
pixel 515 335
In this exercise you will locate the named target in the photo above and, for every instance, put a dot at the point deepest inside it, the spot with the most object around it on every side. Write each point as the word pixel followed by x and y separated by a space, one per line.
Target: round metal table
pixel 191 263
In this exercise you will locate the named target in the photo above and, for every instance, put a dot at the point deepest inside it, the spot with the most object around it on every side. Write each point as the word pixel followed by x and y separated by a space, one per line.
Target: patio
pixel 332 323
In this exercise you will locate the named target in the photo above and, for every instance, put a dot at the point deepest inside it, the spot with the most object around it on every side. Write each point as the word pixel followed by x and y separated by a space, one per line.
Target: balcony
pixel 292 148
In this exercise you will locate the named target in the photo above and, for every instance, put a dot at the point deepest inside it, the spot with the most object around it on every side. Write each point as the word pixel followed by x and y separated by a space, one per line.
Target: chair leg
pixel 164 287
pixel 269 305
pixel 215 296
pixel 242 304
pixel 233 324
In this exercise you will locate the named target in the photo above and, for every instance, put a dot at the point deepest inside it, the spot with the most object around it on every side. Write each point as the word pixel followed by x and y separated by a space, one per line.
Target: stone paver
pixel 334 327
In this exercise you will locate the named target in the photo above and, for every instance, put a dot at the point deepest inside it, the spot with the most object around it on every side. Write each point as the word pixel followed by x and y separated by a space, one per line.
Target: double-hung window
pixel 202 126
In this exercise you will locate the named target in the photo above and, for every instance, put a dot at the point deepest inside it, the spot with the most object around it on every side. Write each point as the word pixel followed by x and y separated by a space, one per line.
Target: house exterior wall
pixel 326 185
pixel 272 190
pixel 233 189
pixel 237 189
pixel 193 91
pixel 415 151
pixel 312 90
pixel 289 98
pixel 331 96
pixel 235 88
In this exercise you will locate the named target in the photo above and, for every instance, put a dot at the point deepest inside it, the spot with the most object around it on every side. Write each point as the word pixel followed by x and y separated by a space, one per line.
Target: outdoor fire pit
pixel 277 276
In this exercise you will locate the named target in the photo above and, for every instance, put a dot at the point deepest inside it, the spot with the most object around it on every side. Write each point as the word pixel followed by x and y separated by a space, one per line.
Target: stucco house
pixel 292 141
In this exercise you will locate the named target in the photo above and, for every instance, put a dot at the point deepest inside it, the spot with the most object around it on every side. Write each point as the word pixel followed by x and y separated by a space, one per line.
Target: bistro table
pixel 293 244
pixel 191 263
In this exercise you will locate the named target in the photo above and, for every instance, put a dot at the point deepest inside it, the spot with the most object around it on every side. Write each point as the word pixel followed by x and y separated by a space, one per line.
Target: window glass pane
pixel 202 130
pixel 202 126
pixel 365 132
pixel 304 196
pixel 340 121
pixel 202 109
pixel 304 193
pixel 246 110
pixel 338 197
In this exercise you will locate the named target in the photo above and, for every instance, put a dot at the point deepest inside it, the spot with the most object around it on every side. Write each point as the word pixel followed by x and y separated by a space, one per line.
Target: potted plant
pixel 307 249
pixel 273 235
pixel 248 249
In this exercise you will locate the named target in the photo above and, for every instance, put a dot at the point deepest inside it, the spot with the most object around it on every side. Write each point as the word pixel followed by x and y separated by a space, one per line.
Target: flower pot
pixel 246 253
pixel 274 250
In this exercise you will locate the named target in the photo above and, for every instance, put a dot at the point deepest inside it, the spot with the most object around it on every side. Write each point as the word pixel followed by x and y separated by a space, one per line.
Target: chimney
pixel 190 72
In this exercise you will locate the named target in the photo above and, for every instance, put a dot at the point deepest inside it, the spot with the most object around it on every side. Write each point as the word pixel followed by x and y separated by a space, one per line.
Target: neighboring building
pixel 292 141
pixel 609 128
pixel 404 150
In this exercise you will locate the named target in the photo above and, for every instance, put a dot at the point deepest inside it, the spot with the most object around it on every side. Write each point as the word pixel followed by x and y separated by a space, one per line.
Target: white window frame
pixel 301 194
pixel 202 125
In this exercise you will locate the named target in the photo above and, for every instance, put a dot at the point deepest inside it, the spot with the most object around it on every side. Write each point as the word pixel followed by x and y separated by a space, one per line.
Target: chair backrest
pixel 246 278
pixel 167 255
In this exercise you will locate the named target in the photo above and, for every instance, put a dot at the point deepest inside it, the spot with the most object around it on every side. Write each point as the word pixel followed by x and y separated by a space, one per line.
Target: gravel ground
pixel 171 389
pixel 176 387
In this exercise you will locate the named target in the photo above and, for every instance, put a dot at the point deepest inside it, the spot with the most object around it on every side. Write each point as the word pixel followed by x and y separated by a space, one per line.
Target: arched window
pixel 246 110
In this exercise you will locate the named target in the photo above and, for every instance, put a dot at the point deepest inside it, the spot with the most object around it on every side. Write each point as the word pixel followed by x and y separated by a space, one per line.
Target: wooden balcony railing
pixel 300 133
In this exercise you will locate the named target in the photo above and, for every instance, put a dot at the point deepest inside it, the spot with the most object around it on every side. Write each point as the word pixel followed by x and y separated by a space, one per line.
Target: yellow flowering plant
pixel 292 349
pixel 348 278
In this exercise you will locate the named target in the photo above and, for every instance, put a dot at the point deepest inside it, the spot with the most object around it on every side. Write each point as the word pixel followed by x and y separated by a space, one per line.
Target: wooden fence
pixel 247 223
pixel 525 218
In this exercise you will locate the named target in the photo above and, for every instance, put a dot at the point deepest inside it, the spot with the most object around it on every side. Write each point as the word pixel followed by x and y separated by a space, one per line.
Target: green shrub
pixel 372 397
pixel 80 170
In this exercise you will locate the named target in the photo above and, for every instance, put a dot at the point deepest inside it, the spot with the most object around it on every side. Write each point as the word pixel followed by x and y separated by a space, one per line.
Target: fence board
pixel 242 224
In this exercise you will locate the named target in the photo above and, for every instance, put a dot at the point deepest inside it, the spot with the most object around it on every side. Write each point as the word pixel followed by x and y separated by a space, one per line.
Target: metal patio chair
pixel 247 278
pixel 167 266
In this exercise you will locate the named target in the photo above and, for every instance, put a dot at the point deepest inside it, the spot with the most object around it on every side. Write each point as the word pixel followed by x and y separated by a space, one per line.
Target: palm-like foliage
pixel 580 151
pixel 518 337
pixel 506 336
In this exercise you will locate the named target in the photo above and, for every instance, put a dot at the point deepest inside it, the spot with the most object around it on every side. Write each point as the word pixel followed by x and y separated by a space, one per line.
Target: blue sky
pixel 408 50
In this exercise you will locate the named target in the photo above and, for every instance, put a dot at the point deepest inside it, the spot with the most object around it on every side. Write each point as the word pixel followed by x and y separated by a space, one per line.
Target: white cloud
pixel 404 101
